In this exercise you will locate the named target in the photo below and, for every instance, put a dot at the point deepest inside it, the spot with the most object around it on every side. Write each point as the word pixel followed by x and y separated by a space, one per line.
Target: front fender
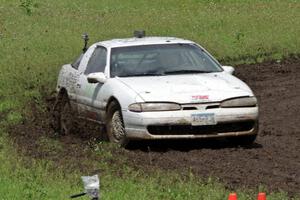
pixel 114 89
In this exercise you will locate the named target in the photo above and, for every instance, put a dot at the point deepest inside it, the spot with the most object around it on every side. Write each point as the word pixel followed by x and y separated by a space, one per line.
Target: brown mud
pixel 273 160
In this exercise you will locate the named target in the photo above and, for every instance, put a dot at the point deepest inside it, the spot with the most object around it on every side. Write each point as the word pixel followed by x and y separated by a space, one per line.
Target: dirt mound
pixel 273 161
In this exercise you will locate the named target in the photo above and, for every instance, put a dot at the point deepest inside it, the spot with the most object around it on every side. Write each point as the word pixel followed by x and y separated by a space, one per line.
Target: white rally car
pixel 155 88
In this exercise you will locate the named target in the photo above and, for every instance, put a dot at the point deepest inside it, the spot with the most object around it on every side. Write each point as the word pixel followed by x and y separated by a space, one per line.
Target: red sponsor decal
pixel 200 97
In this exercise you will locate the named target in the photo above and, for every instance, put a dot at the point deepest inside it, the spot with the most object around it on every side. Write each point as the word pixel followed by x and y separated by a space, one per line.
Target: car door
pixel 89 105
pixel 72 77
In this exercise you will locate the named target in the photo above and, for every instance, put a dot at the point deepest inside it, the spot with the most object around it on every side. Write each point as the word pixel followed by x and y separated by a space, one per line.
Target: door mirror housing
pixel 228 69
pixel 98 77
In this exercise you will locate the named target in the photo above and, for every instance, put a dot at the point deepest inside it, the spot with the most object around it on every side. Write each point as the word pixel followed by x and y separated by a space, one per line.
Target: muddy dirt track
pixel 273 161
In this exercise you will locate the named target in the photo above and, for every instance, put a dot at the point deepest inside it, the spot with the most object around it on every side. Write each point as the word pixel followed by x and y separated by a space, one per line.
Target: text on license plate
pixel 203 119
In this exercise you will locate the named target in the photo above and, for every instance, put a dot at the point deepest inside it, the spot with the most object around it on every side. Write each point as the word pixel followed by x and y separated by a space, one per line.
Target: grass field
pixel 37 37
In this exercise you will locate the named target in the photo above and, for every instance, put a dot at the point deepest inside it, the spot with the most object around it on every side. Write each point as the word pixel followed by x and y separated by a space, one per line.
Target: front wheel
pixel 115 125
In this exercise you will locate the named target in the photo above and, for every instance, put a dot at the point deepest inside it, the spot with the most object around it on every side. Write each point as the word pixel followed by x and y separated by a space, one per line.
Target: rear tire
pixel 243 140
pixel 63 115
pixel 115 126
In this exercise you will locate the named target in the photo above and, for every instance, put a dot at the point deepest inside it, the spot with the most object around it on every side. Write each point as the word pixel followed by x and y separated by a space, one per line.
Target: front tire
pixel 115 125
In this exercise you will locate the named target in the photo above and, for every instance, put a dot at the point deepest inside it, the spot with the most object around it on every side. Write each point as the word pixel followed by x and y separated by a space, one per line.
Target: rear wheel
pixel 243 140
pixel 63 115
pixel 115 125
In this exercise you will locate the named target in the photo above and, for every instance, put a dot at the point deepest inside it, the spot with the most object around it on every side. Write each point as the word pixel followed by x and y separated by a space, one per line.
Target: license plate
pixel 199 119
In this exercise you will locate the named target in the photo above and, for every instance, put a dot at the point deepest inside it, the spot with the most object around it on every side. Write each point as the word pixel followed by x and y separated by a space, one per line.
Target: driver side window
pixel 97 61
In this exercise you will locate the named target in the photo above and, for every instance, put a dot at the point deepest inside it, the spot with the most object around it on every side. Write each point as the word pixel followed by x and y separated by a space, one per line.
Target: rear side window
pixel 97 61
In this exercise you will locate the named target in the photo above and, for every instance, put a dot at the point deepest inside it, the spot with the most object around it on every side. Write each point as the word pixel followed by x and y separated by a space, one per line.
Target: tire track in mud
pixel 273 161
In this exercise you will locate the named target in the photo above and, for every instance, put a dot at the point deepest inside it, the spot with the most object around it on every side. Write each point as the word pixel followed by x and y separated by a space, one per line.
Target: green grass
pixel 30 179
pixel 37 37
pixel 34 46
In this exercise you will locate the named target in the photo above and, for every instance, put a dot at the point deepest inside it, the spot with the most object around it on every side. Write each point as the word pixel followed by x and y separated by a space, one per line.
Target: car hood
pixel 191 88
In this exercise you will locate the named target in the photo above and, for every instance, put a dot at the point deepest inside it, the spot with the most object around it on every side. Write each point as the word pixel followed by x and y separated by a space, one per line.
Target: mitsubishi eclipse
pixel 155 88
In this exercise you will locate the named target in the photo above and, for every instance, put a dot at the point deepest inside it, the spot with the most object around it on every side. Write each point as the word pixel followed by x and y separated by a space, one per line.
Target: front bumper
pixel 178 124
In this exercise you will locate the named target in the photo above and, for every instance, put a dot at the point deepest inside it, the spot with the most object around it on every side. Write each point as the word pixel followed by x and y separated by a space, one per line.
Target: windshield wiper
pixel 187 71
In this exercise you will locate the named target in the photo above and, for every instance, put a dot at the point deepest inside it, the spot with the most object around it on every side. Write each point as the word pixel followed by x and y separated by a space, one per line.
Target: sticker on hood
pixel 200 97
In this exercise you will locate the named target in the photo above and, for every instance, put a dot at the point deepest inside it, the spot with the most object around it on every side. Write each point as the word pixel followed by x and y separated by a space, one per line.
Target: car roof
pixel 142 41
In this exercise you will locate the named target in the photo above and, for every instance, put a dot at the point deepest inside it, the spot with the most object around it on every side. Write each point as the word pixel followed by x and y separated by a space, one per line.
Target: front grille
pixel 200 130
pixel 189 108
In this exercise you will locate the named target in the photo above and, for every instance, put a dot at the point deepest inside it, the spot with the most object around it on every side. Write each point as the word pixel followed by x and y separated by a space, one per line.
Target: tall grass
pixel 35 43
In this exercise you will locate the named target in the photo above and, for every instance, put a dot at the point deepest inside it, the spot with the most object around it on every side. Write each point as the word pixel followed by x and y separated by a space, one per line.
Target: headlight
pixel 147 107
pixel 239 102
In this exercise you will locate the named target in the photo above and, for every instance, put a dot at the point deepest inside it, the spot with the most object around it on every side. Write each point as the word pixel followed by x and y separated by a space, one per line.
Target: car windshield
pixel 160 59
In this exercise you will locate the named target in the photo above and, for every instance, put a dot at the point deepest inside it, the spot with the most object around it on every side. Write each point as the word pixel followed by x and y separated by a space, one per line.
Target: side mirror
pixel 98 77
pixel 228 69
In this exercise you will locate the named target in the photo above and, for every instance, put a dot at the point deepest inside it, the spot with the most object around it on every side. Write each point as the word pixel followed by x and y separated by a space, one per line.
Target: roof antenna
pixel 139 33
pixel 86 38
